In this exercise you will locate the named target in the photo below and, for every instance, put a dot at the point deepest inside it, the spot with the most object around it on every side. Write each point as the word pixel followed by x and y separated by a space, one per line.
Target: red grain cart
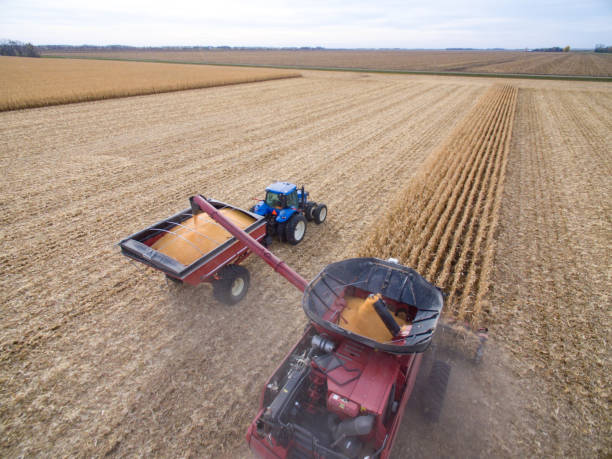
pixel 190 248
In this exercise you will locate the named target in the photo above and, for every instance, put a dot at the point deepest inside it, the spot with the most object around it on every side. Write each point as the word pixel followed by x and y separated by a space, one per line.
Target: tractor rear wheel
pixel 309 210
pixel 320 214
pixel 436 391
pixel 295 229
pixel 232 285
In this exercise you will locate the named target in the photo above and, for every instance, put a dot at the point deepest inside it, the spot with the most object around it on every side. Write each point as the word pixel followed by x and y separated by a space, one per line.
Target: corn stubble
pixel 444 222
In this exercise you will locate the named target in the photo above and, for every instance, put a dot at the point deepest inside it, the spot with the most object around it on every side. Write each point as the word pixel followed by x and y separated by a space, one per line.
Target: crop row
pixel 443 225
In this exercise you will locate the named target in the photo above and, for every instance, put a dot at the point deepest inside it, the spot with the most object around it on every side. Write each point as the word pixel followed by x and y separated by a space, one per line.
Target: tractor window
pixel 292 199
pixel 273 199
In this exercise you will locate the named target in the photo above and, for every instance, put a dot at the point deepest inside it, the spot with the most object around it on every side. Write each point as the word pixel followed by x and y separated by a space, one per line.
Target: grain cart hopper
pixel 342 390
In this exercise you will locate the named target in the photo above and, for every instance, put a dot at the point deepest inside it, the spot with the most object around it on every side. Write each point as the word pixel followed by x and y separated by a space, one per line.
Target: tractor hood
pixel 401 285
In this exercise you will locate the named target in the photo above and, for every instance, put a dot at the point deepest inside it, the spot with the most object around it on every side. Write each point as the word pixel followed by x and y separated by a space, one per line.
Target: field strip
pixel 444 222
pixel 552 270
pixel 29 83
pixel 387 68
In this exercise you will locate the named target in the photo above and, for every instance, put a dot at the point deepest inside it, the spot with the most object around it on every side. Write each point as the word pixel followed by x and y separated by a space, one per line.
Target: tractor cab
pixel 281 195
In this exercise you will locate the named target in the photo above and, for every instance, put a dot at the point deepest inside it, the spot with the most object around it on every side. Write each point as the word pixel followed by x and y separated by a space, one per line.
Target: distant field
pixel 507 62
pixel 26 82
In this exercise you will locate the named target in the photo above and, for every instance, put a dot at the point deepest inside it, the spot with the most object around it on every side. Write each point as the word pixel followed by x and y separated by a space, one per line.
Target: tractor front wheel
pixel 295 229
pixel 232 285
pixel 320 214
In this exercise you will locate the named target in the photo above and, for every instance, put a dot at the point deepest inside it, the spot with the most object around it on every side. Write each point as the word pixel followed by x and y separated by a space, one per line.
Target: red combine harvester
pixel 342 390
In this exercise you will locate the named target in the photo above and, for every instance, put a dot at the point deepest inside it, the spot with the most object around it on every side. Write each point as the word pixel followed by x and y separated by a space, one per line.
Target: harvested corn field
pixel 553 267
pixel 443 223
pixel 26 82
pixel 509 62
pixel 99 356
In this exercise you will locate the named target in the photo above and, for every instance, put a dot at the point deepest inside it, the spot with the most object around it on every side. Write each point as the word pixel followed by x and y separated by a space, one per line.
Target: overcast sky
pixel 331 23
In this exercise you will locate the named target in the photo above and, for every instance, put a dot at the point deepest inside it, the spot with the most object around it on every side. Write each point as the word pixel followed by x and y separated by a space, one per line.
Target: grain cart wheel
pixel 309 210
pixel 232 285
pixel 320 214
pixel 295 229
pixel 433 400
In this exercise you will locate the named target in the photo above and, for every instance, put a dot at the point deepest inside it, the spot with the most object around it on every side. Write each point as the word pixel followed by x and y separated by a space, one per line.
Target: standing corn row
pixel 444 222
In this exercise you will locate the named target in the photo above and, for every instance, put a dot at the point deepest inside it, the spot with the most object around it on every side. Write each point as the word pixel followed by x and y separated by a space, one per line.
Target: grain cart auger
pixel 342 390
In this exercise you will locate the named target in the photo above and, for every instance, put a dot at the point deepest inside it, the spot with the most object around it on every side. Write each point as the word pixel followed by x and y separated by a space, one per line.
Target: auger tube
pixel 276 263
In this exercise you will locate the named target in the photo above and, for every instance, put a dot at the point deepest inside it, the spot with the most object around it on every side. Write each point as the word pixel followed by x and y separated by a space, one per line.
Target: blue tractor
pixel 287 208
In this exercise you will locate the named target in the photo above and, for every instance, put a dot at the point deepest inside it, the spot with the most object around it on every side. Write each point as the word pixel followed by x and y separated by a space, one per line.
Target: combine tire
pixel 436 390
pixel 232 285
pixel 295 229
pixel 320 214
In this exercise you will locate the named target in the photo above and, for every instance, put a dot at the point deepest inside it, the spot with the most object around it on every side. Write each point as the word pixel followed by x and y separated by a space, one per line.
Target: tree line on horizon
pixel 17 48
pixel 555 49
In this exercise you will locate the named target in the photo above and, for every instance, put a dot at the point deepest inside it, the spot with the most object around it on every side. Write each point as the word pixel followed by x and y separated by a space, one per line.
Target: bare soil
pixel 100 356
